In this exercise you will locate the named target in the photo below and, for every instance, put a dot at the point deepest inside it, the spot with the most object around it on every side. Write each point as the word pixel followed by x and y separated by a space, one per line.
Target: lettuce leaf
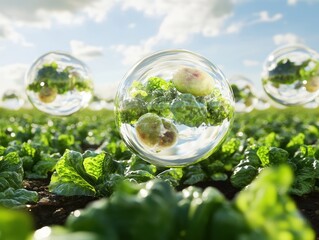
pixel 154 210
pixel 15 224
pixel 12 193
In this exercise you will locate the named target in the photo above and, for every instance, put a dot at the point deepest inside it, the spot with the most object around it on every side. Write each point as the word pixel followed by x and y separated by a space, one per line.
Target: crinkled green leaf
pixel 193 174
pixel 68 179
pixel 136 163
pixel 263 154
pixel 242 176
pixel 93 165
pixel 296 142
pixel 16 197
pixel 139 214
pixel 268 207
pixel 171 175
pixel 230 146
pixel 87 174
pixel 272 155
pixel 11 171
pixel 306 175
pixel 41 168
pixel 139 175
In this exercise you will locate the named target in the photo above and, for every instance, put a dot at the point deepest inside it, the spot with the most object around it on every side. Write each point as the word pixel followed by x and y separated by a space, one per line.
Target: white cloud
pixel 84 51
pixel 250 63
pixel 37 12
pixel 12 77
pixel 264 16
pixel 15 14
pixel 235 27
pixel 205 17
pixel 288 38
pixel 133 53
pixel 292 2
pixel 257 18
pixel 181 19
pixel 7 32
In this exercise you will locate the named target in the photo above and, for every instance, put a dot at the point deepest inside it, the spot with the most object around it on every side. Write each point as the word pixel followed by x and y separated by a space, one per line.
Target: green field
pixel 269 158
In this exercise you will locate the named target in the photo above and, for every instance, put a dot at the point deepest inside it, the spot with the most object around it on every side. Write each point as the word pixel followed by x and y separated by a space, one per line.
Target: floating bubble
pixel 59 84
pixel 311 105
pixel 11 99
pixel 262 101
pixel 291 75
pixel 244 93
pixel 174 108
pixel 97 103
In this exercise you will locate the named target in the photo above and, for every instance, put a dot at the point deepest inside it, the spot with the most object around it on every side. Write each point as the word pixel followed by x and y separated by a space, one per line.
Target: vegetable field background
pixel 262 182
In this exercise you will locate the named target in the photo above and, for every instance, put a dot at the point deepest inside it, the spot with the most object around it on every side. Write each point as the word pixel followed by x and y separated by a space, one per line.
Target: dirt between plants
pixel 52 209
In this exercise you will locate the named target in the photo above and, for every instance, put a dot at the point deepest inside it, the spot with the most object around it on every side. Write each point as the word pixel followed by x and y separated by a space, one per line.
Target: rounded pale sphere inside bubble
pixel 291 75
pixel 174 108
pixel 244 93
pixel 59 84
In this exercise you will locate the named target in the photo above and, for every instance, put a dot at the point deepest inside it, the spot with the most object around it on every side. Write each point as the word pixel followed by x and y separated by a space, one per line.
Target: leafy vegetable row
pixel 153 210
pixel 39 145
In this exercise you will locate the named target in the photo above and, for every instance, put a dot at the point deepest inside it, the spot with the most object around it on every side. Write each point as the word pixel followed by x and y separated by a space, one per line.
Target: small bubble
pixel 59 84
pixel 291 75
pixel 11 99
pixel 244 93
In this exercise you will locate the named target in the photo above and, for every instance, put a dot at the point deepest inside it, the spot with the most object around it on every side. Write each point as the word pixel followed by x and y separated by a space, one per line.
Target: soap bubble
pixel 262 103
pixel 174 108
pixel 59 84
pixel 97 103
pixel 311 105
pixel 11 99
pixel 291 75
pixel 244 93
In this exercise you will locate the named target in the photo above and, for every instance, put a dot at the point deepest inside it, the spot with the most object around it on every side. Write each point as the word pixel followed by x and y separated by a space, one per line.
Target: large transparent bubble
pixel 244 93
pixel 291 75
pixel 12 99
pixel 174 108
pixel 59 84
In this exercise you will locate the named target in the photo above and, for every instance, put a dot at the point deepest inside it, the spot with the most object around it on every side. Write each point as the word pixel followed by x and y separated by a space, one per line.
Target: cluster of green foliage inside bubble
pixel 289 72
pixel 86 156
pixel 161 97
pixel 61 80
pixel 6 97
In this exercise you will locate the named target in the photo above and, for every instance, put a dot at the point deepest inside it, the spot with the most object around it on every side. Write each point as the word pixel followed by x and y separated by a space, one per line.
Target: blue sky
pixel 111 35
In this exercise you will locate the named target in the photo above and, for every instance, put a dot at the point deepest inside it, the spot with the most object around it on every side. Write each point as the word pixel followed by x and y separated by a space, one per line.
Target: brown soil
pixel 53 210
pixel 309 207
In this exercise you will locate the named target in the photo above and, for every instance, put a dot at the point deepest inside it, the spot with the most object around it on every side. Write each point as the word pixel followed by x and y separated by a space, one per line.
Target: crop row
pixel 84 155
